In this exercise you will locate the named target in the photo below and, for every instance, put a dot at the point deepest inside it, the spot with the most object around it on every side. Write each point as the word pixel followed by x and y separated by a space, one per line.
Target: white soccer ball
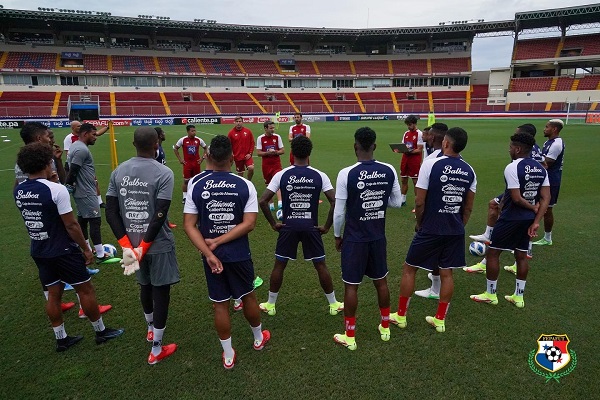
pixel 279 214
pixel 553 354
pixel 110 250
pixel 477 249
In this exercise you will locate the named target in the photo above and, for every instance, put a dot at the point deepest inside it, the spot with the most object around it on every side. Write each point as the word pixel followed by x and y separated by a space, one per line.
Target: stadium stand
pixel 178 65
pixel 377 102
pixel 589 44
pixel 133 64
pixel 94 62
pixel 35 61
pixel 260 67
pixel 375 67
pixel 26 104
pixel 409 67
pixel 450 65
pixel 141 104
pixel 536 48
pixel 220 66
pixel 541 84
pixel 305 68
pixel 589 82
pixel 334 67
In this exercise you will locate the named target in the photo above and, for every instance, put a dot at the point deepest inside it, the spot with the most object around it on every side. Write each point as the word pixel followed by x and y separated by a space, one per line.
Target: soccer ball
pixel 477 249
pixel 553 354
pixel 279 214
pixel 110 250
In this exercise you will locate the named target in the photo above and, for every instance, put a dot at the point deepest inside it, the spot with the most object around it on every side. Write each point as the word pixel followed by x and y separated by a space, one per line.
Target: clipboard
pixel 399 148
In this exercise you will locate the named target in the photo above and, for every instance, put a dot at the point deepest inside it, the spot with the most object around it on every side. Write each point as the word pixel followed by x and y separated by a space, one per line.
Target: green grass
pixel 482 354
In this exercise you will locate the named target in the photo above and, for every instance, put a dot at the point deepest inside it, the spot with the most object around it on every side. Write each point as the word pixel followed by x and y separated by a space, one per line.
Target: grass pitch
pixel 483 354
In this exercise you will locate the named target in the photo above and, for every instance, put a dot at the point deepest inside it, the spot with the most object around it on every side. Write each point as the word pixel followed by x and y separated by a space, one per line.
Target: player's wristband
pixel 145 246
pixel 125 242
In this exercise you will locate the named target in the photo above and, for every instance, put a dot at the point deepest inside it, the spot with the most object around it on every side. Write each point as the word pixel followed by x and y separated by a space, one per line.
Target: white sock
pixel 99 250
pixel 331 297
pixel 488 231
pixel 59 331
pixel 519 287
pixel 157 343
pixel 100 199
pixel 484 261
pixel 273 297
pixel 548 236
pixel 435 284
pixel 78 300
pixel 149 320
pixel 279 204
pixel 98 325
pixel 88 243
pixel 491 286
pixel 403 196
pixel 184 196
pixel 46 294
pixel 227 348
pixel 257 332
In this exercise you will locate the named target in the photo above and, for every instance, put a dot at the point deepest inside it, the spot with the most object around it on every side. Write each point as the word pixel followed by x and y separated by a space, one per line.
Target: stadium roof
pixel 103 23
pixel 558 17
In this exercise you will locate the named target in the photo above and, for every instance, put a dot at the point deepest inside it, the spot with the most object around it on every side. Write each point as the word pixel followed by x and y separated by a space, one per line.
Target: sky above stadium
pixel 487 52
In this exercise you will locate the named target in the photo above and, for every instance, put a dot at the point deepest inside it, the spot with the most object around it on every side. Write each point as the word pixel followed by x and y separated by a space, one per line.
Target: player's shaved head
pixel 34 157
pixel 220 148
pixel 75 125
pixel 145 138
pixel 365 138
pixel 301 147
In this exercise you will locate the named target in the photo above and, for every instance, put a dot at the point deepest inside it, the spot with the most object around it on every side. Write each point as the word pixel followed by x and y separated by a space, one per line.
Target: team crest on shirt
pixel 552 356
pixel 360 185
pixel 205 195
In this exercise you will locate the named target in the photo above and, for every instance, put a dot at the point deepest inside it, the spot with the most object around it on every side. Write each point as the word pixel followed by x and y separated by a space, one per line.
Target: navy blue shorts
pixel 312 245
pixel 236 280
pixel 511 235
pixel 553 195
pixel 364 258
pixel 69 268
pixel 432 251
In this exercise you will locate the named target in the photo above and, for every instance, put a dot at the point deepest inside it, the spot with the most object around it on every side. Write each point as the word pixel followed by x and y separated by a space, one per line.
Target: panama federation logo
pixel 552 355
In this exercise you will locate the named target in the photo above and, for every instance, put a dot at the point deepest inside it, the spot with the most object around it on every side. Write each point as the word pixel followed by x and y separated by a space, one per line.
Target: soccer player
pixel 242 142
pixel 220 210
pixel 434 139
pixel 33 132
pixel 191 156
pixel 523 205
pixel 300 187
pixel 553 152
pixel 269 146
pixel 57 243
pixel 81 181
pixel 493 209
pixel 443 205
pixel 427 141
pixel 298 129
pixel 162 158
pixel 71 138
pixel 411 160
pixel 363 192
pixel 139 196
